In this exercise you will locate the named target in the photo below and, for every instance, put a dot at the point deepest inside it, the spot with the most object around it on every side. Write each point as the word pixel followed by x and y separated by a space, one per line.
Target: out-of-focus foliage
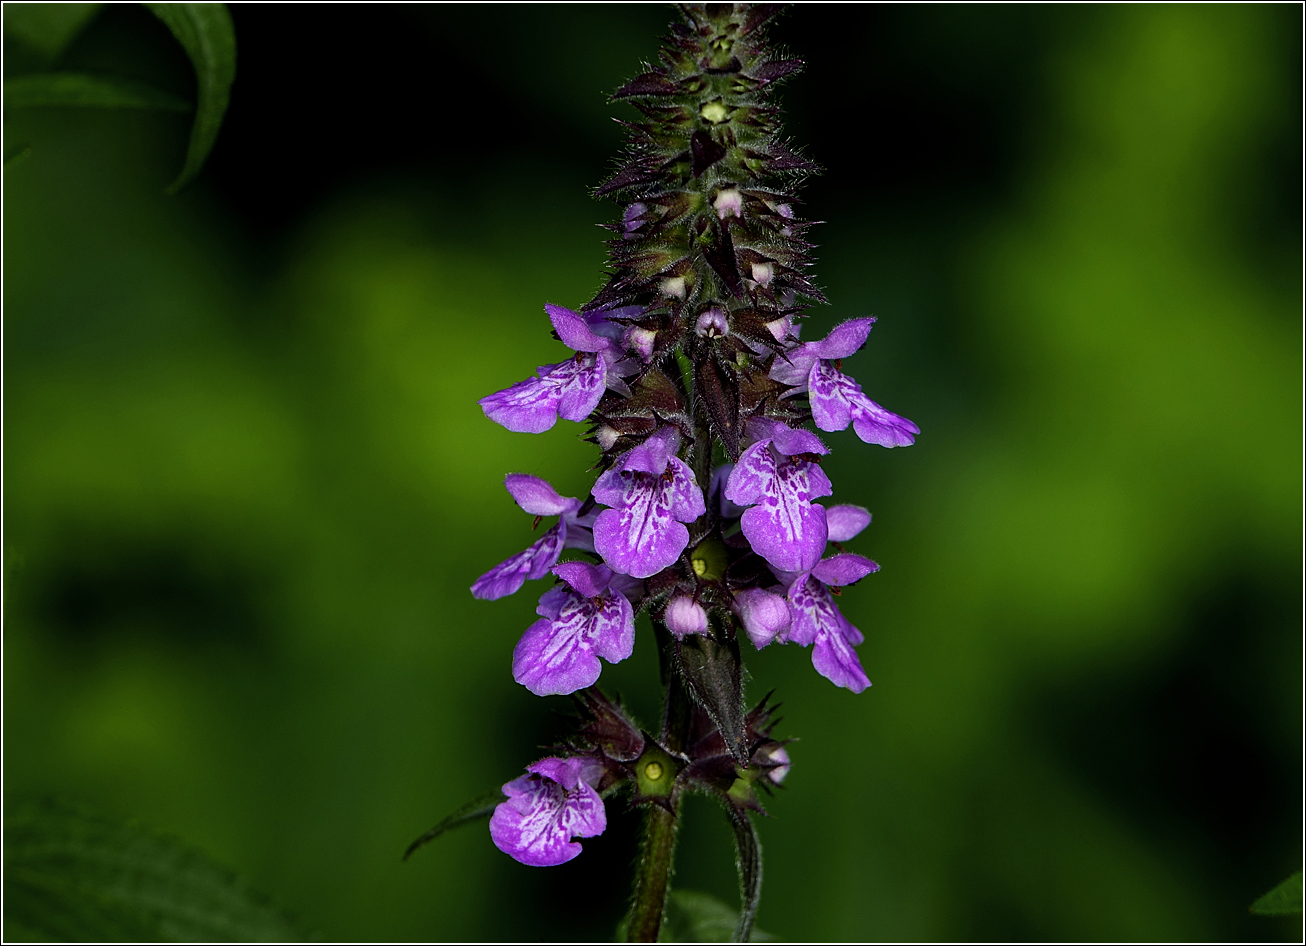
pixel 1282 900
pixel 72 876
pixel 203 29
pixel 247 484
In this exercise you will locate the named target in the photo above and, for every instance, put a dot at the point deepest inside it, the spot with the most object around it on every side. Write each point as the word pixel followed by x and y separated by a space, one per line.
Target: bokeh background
pixel 247 484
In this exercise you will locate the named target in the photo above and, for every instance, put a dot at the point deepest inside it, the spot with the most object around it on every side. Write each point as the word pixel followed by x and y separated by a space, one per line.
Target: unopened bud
pixel 685 616
pixel 729 203
pixel 606 436
pixel 629 219
pixel 714 112
pixel 641 339
pixel 673 287
pixel 779 756
pixel 763 273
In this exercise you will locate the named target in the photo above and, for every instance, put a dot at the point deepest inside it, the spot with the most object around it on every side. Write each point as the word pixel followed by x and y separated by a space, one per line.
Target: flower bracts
pixel 707 511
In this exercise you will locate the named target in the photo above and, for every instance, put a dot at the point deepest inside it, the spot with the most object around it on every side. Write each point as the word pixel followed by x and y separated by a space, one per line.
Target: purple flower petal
pixel 818 622
pixel 528 407
pixel 560 654
pixel 837 400
pixel 844 569
pixel 588 580
pixel 874 424
pixel 685 616
pixel 580 383
pixel 508 576
pixel 828 389
pixel 640 539
pixel 653 454
pixel 546 809
pixel 571 388
pixel 765 616
pixel 846 522
pixel 642 533
pixel 574 330
pixel 537 497
pixel 552 601
pixel 834 658
pixel 793 367
pixel 844 339
pixel 614 629
pixel 751 477
pixel 784 526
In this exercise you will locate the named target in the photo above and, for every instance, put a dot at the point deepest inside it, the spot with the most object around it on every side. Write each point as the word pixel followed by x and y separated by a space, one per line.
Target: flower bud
pixel 763 273
pixel 685 616
pixel 712 324
pixel 765 616
pixel 729 203
pixel 673 287
pixel 641 340
pixel 629 220
pixel 779 756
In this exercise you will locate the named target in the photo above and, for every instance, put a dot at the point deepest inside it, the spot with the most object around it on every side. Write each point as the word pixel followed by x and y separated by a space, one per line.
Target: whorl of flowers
pixel 688 369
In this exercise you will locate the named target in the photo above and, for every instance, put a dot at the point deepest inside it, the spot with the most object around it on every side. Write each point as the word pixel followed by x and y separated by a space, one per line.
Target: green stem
pixel 657 854
pixel 653 879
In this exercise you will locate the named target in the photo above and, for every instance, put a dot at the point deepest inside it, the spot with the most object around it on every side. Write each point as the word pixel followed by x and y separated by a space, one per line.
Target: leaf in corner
pixel 48 28
pixel 1283 900
pixel 696 917
pixel 78 90
pixel 75 876
pixel 206 33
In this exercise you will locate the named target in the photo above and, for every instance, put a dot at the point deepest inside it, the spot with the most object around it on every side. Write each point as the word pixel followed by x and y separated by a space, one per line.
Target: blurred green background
pixel 247 484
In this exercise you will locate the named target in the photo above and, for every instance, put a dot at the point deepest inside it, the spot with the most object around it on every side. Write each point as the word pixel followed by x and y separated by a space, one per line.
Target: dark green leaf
pixel 695 917
pixel 1283 899
pixel 70 875
pixel 206 33
pixel 748 861
pixel 48 28
pixel 713 673
pixel 482 807
pixel 74 89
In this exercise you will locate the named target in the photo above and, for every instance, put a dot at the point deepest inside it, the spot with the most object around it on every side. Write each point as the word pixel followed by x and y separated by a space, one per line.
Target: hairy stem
pixel 653 879
pixel 657 854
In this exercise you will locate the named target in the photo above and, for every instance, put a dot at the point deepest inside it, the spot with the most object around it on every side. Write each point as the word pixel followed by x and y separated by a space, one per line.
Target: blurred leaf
pixel 73 876
pixel 48 27
pixel 748 861
pixel 1282 900
pixel 695 917
pixel 79 90
pixel 482 807
pixel 16 152
pixel 206 33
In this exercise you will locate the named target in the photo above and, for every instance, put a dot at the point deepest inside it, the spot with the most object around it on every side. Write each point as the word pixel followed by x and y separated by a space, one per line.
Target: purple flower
pixel 581 621
pixel 651 492
pixel 556 802
pixel 570 389
pixel 837 400
pixel 537 497
pixel 778 480
pixel 818 622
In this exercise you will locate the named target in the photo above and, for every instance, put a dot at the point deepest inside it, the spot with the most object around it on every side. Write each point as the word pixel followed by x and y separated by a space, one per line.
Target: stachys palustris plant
pixel 688 368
